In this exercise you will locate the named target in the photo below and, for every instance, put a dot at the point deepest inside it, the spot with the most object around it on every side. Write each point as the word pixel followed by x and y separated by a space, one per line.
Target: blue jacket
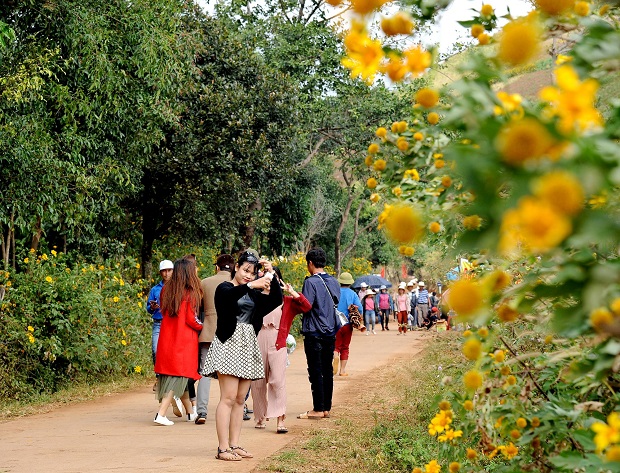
pixel 154 296
pixel 347 297
pixel 321 320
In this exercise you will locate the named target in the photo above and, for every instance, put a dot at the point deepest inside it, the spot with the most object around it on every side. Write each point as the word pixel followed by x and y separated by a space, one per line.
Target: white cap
pixel 382 287
pixel 402 285
pixel 363 285
pixel 166 264
pixel 421 284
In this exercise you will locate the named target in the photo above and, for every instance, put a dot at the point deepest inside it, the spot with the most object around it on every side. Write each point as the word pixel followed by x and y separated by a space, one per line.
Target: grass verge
pixel 384 426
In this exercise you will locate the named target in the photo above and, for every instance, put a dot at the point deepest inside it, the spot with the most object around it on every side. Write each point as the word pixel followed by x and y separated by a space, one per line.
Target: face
pixel 166 274
pixel 246 273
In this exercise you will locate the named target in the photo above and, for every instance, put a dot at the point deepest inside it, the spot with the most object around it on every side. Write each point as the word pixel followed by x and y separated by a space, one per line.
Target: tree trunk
pixel 36 237
pixel 343 222
pixel 249 230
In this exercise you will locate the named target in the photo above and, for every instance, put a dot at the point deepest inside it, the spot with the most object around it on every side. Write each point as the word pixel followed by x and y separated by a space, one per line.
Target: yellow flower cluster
pixel 572 101
pixel 400 23
pixel 519 41
pixel 364 55
pixel 402 222
pixel 602 318
pixel 508 451
pixel 440 422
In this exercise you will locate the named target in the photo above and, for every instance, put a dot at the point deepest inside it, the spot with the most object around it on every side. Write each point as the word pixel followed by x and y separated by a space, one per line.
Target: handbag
pixel 341 318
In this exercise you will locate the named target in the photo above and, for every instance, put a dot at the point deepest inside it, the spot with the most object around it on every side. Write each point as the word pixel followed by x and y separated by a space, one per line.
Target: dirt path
pixel 116 433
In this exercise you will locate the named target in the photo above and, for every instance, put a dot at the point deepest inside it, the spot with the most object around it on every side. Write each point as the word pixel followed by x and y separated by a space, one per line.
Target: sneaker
pixel 248 410
pixel 177 407
pixel 192 417
pixel 245 413
pixel 200 419
pixel 162 420
pixel 374 333
pixel 367 333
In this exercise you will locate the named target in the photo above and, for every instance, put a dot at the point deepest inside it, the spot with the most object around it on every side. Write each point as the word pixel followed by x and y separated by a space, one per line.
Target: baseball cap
pixel 166 264
pixel 363 285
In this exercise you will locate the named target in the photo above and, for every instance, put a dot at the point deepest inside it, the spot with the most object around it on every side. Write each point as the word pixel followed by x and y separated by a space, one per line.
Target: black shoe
pixel 245 414
pixel 249 411
pixel 201 419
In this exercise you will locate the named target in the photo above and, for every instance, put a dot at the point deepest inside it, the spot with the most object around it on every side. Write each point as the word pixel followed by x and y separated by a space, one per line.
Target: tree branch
pixel 313 153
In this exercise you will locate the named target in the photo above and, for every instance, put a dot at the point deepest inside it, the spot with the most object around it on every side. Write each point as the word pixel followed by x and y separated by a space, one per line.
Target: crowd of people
pixel 234 327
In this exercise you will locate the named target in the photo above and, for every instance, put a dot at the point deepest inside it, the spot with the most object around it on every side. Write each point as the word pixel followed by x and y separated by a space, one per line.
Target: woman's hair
pixel 247 257
pixel 278 273
pixel 183 285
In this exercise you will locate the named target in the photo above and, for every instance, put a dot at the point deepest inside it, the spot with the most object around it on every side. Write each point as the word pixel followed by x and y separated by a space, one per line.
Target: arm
pixel 358 303
pixel 191 319
pixel 301 304
pixel 150 298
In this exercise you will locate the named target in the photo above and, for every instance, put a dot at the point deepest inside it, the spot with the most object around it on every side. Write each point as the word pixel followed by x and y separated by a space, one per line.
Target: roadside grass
pixel 79 392
pixel 384 426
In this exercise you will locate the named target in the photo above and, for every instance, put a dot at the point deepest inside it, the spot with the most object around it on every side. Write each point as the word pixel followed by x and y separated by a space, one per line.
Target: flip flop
pixel 344 374
pixel 260 426
pixel 304 415
pixel 281 430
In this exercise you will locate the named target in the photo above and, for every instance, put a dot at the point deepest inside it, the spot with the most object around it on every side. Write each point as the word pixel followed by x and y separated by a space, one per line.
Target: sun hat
pixel 410 283
pixel 166 264
pixel 345 278
pixel 421 284
pixel 363 285
pixel 402 285
pixel 382 287
pixel 370 292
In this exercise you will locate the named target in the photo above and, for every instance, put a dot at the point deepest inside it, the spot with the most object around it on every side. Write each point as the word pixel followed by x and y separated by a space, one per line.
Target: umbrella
pixel 372 280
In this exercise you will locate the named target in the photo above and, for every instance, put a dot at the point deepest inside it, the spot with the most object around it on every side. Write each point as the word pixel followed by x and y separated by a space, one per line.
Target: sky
pixel 447 31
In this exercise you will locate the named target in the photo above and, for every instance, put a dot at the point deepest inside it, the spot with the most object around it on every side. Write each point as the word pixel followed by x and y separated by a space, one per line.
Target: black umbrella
pixel 372 280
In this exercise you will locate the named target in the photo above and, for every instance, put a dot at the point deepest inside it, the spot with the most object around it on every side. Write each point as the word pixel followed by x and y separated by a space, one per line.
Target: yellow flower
pixel 401 126
pixel 402 144
pixel 562 190
pixel 444 406
pixel 454 467
pixel 468 405
pixel 615 306
pixel 554 7
pixel 406 250
pixel 582 8
pixel 472 349
pixel 32 250
pixel 486 10
pixel 483 332
pixel 472 222
pixel 548 339
pixel 607 434
pixel 521 423
pixel 572 101
pixel 418 136
pixel 497 280
pixel 374 197
pixel 413 174
pixel 477 30
pixel 471 454
pixel 381 132
pixel 440 163
pixel 397 191
pixel 403 224
pixel 432 467
pixel 49 279
pixel 368 160
pixel 44 257
pixel 511 380
pixel 31 338
pixel 510 103
pixel 446 181
pixel 417 60
pixel 364 7
pixel 364 55
pixel 466 297
pixel 401 23
pixel 499 356
pixel 334 3
pixel 519 41
pixel 510 451
pixel 523 140
pixel 472 380
pixel 613 454
pixel 467 333
pixel 440 422
pixel 137 369
pixel 137 265
pixel 434 227
pixel 426 97
pixel 604 9
pixel 371 183
pixel 533 226
pixel 535 422
pixel 373 148
pixel 433 118
pixel 30 328
pixel 123 342
pixel 417 470
pixel 507 313
pixel 562 59
pixel 515 434
pixel 380 165
pixel 450 435
pixel 483 39
pixel 601 319
pixel 115 299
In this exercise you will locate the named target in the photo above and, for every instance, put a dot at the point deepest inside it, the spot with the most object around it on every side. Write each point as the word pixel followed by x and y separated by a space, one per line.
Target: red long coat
pixel 177 348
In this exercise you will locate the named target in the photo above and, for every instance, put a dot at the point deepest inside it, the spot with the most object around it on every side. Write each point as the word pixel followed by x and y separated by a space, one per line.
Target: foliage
pixel 530 187
pixel 66 322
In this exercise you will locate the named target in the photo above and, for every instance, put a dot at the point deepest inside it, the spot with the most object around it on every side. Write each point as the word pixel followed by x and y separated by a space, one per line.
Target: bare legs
pixel 229 412
pixel 165 404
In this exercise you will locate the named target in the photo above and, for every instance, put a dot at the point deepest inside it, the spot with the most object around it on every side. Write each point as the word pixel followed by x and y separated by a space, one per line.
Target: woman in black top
pixel 234 357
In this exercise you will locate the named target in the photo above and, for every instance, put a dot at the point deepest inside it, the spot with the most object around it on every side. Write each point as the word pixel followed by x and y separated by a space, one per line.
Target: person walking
pixel 348 298
pixel 177 349
pixel 153 306
pixel 368 303
pixel 269 393
pixel 224 266
pixel 403 301
pixel 422 305
pixel 384 304
pixel 234 357
pixel 319 327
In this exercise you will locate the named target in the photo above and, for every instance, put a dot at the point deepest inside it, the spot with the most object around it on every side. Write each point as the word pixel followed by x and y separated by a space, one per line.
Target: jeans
pixel 319 355
pixel 155 338
pixel 369 319
pixel 204 385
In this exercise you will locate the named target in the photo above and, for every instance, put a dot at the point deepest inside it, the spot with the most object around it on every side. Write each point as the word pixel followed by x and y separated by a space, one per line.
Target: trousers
pixel 319 355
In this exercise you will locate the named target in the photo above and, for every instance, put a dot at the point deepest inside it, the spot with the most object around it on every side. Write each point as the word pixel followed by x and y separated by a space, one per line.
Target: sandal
pixel 281 429
pixel 305 415
pixel 241 452
pixel 227 455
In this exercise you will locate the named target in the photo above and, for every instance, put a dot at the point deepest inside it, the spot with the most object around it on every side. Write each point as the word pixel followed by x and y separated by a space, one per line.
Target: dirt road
pixel 116 433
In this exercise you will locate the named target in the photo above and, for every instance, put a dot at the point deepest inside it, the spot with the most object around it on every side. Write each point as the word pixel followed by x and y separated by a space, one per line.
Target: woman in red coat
pixel 177 349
